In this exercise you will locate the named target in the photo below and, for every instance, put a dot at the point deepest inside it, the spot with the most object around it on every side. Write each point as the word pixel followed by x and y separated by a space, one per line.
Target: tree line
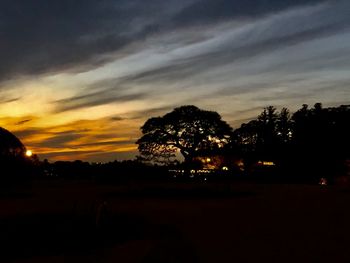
pixel 308 144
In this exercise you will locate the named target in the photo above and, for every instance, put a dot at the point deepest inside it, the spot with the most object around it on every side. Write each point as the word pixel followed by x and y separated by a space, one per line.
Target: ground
pixel 194 222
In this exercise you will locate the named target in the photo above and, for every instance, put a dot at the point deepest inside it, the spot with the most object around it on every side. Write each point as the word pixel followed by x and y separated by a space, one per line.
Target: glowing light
pixel 208 160
pixel 266 163
pixel 323 181
pixel 29 153
pixel 225 168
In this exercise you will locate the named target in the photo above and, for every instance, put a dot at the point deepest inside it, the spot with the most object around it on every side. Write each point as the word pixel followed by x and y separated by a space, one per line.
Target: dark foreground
pixel 56 222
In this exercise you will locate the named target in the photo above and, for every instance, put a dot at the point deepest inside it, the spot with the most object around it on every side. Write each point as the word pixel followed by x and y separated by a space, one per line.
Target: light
pixel 264 163
pixel 208 160
pixel 323 181
pixel 29 153
pixel 225 168
pixel 269 163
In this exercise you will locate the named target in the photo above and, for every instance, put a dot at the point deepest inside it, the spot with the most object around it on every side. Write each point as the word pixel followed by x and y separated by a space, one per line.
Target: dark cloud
pixel 62 35
pixel 23 122
pixel 43 36
pixel 249 110
pixel 56 138
pixel 27 132
pixel 96 99
pixel 108 143
pixel 60 140
pixel 9 100
pixel 152 112
pixel 260 39
pixel 283 95
pixel 117 118
pixel 169 73
pixel 208 11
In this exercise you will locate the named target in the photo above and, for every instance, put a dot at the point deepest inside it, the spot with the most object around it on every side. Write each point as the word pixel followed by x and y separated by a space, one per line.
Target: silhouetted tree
pixel 14 165
pixel 267 133
pixel 245 141
pixel 10 145
pixel 266 136
pixel 321 139
pixel 312 143
pixel 284 126
pixel 187 129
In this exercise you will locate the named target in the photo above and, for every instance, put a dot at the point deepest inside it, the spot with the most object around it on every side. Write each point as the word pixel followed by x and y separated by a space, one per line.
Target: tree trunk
pixel 188 157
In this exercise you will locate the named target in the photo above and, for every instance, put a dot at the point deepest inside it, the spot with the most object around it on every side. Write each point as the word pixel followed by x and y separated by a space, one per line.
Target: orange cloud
pixel 82 139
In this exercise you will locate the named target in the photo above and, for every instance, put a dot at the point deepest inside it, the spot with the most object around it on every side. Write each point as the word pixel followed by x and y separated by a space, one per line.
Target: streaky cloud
pixel 96 99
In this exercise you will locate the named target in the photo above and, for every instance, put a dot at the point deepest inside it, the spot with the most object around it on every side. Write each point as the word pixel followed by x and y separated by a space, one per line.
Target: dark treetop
pixel 187 129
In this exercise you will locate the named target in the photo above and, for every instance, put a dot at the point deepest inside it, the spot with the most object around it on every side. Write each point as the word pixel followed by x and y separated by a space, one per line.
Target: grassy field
pixel 56 222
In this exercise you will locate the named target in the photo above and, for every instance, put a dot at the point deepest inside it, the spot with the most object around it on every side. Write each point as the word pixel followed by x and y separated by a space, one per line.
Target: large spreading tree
pixel 187 130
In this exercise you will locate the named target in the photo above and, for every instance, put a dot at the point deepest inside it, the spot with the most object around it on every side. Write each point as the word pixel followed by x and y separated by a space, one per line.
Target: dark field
pixel 56 222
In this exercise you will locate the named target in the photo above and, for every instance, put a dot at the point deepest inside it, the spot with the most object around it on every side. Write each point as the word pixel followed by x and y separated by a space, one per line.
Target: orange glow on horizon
pixel 82 139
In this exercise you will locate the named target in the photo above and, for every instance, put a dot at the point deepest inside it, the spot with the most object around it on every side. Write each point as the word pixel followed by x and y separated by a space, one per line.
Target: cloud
pixel 9 100
pixel 208 11
pixel 23 122
pixel 109 143
pixel 40 37
pixel 62 35
pixel 150 112
pixel 117 118
pixel 59 140
pixel 96 99
pixel 231 48
pixel 26 133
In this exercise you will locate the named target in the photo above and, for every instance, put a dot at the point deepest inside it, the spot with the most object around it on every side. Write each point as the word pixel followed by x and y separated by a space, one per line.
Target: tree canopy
pixel 266 135
pixel 187 129
pixel 15 168
pixel 10 145
pixel 312 141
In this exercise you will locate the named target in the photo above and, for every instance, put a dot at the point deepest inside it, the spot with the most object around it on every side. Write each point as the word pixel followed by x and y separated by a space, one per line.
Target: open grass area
pixel 194 222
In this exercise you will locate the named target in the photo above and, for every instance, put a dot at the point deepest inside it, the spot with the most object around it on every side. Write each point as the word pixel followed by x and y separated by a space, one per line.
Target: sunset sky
pixel 78 78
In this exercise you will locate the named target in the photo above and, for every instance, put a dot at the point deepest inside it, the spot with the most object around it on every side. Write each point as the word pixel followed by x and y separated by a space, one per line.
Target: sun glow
pixel 29 153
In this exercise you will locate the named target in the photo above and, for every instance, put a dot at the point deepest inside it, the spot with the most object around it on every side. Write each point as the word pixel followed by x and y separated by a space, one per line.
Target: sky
pixel 79 78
